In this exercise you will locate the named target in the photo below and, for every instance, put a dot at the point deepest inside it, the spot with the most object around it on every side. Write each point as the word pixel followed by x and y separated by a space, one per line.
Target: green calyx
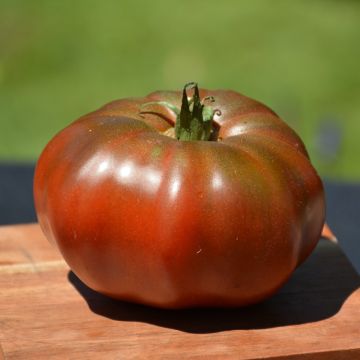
pixel 194 121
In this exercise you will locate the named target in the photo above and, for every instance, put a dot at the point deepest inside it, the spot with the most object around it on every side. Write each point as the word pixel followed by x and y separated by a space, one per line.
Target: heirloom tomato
pixel 180 199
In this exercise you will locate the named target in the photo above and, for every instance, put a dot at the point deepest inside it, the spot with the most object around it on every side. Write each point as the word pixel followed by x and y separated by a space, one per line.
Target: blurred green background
pixel 61 59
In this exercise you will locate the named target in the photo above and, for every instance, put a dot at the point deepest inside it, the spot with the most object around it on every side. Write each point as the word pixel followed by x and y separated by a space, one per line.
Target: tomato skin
pixel 143 217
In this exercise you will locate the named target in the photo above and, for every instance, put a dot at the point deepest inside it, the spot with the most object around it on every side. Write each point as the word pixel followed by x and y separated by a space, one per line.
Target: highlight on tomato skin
pixel 191 198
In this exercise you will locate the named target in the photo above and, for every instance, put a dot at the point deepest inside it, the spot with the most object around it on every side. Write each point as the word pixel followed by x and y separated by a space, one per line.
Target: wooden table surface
pixel 46 312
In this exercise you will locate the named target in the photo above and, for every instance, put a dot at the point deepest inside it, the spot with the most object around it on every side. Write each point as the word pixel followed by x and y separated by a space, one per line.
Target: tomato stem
pixel 194 121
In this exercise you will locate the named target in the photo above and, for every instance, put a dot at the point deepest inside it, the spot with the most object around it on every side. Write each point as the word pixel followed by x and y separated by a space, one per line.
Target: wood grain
pixel 46 312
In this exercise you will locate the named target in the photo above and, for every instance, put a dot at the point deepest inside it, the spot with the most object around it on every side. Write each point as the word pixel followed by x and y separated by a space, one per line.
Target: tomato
pixel 216 211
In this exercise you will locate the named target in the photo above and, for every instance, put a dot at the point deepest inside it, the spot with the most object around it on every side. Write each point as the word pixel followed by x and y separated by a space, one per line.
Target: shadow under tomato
pixel 315 292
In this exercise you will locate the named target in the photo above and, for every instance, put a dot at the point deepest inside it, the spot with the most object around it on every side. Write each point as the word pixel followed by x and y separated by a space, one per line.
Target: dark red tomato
pixel 141 215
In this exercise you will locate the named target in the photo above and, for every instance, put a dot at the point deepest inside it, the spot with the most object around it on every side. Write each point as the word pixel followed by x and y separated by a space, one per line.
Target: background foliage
pixel 61 59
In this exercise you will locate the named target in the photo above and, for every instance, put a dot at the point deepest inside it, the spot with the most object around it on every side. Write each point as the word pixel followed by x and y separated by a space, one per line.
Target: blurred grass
pixel 61 59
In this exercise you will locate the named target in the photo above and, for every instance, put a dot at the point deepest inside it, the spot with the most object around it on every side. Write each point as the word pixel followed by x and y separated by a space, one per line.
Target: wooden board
pixel 47 313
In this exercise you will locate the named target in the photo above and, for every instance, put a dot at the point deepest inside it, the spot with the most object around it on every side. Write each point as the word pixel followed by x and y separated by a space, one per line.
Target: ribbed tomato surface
pixel 141 216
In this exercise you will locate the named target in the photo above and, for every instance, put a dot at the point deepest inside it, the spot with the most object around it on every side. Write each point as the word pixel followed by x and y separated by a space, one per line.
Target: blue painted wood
pixel 16 199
